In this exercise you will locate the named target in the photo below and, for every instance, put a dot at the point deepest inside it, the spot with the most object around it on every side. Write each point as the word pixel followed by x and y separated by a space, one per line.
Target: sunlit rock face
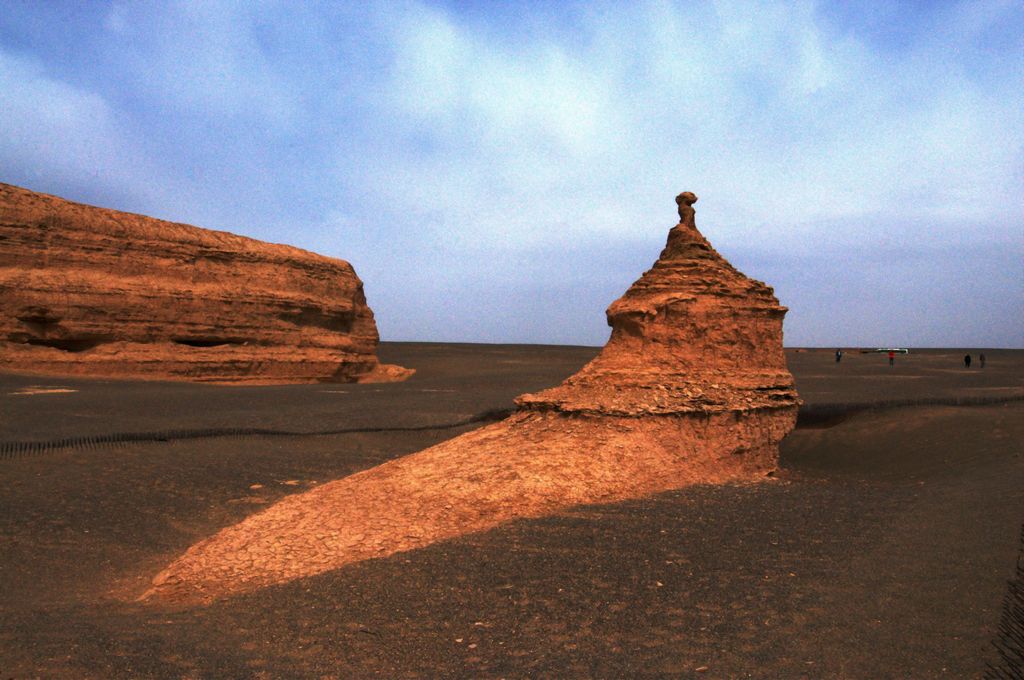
pixel 691 388
pixel 94 292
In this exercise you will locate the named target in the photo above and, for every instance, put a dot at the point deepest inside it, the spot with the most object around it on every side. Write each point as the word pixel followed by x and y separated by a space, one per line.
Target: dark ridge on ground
pixel 11 450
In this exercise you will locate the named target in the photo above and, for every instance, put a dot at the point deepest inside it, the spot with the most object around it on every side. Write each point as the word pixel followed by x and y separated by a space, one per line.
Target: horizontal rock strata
pixel 691 388
pixel 96 292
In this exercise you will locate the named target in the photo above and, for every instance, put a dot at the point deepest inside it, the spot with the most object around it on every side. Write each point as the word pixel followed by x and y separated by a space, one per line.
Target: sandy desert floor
pixel 883 547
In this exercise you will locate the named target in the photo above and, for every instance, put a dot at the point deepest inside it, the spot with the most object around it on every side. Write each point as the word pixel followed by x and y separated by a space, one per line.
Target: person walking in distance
pixel 892 357
pixel 981 359
pixel 839 355
pixel 967 361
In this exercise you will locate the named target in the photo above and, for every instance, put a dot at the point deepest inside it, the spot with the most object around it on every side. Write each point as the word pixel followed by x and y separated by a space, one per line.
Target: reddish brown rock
pixel 96 292
pixel 692 335
pixel 691 388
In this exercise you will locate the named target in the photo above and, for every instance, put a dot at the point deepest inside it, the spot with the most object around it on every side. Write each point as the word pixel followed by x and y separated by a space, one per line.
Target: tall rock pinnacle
pixel 692 387
pixel 692 335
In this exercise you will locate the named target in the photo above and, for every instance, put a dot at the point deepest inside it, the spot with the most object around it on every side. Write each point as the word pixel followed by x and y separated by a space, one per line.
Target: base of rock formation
pixel 385 373
pixel 223 365
pixel 692 387
pixel 529 465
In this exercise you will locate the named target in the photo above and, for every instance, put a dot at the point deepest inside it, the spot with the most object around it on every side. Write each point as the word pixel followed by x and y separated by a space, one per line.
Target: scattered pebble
pixel 29 391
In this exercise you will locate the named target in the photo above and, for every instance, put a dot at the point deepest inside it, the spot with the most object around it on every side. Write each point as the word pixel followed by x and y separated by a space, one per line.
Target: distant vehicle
pixel 886 350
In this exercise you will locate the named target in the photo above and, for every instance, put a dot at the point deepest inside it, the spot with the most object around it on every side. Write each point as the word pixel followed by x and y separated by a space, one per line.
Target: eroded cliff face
pixel 691 388
pixel 96 292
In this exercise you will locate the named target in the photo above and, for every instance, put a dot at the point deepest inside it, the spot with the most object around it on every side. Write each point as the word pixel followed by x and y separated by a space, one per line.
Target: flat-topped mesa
pixel 693 334
pixel 95 292
pixel 692 388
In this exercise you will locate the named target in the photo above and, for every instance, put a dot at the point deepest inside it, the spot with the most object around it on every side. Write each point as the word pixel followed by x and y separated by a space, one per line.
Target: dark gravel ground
pixel 924 375
pixel 882 550
pixel 453 382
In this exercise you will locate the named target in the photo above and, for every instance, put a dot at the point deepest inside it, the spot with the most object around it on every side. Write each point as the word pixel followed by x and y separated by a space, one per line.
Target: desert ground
pixel 883 547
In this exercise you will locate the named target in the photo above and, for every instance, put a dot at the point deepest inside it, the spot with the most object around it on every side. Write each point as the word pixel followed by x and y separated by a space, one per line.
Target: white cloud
pixel 52 131
pixel 757 105
pixel 203 59
pixel 785 127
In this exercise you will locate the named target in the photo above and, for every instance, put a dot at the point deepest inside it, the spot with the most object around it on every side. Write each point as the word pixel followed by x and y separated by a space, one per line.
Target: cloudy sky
pixel 500 172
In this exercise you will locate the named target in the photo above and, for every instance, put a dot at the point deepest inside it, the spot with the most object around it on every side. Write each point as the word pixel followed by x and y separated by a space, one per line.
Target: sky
pixel 501 172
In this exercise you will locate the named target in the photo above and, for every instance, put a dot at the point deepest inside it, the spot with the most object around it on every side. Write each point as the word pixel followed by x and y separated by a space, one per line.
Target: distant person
pixel 967 361
pixel 839 355
pixel 892 357
pixel 981 359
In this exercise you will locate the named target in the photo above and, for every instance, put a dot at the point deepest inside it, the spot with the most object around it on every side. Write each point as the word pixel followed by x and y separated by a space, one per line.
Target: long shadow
pixel 828 415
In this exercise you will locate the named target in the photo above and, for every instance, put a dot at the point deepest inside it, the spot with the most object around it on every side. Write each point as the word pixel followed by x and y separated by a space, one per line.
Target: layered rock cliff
pixel 96 292
pixel 691 388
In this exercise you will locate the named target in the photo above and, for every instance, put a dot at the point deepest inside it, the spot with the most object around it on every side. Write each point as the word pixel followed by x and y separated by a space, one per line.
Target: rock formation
pixel 691 388
pixel 692 335
pixel 95 292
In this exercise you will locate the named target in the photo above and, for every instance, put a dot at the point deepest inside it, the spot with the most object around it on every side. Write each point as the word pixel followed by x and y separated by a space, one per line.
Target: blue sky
pixel 500 172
